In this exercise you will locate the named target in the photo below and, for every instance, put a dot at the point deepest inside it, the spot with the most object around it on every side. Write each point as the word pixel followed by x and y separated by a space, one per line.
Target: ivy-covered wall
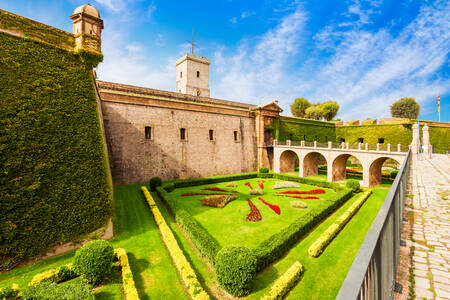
pixel 296 129
pixel 391 133
pixel 54 179
pixel 440 138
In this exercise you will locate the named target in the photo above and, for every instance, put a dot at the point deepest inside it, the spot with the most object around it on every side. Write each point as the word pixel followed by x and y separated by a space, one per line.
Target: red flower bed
pixel 261 184
pixel 254 215
pixel 298 197
pixel 317 191
pixel 204 194
pixel 249 185
pixel 216 189
pixel 273 207
pixel 352 170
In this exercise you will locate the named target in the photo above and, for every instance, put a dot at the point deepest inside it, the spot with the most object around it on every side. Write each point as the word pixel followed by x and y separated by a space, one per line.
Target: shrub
pixel 393 174
pixel 188 275
pixel 94 260
pixel 298 204
pixel 155 182
pixel 284 185
pixel 8 293
pixel 51 290
pixel 310 181
pixel 326 237
pixel 202 239
pixel 255 192
pixel 276 245
pixel 263 170
pixel 57 275
pixel 236 269
pixel 218 201
pixel 169 187
pixel 353 185
pixel 231 184
pixel 127 276
pixel 285 282
pixel 179 183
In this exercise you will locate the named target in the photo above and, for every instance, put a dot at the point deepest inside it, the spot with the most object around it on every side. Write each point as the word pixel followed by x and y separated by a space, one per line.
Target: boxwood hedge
pixel 54 183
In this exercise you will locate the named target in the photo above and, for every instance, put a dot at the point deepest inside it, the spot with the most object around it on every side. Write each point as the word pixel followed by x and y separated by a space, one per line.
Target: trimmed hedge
pixel 180 183
pixel 201 238
pixel 154 183
pixel 127 276
pixel 353 185
pixel 9 292
pixel 263 170
pixel 188 275
pixel 236 269
pixel 325 238
pixel 93 261
pixel 57 275
pixel 311 181
pixel 285 282
pixel 51 290
pixel 276 245
pixel 54 183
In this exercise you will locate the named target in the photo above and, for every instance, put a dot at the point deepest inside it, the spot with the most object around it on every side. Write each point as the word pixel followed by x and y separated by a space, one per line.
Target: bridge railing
pixel 372 274
pixel 347 146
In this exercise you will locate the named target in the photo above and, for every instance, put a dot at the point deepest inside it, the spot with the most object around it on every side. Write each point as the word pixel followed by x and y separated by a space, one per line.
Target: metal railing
pixel 345 146
pixel 372 274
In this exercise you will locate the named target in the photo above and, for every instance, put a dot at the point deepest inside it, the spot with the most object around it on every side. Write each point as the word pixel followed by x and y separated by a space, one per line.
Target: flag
pixel 439 106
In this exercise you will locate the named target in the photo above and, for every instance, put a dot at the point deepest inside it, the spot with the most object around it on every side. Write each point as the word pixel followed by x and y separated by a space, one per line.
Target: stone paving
pixel 431 227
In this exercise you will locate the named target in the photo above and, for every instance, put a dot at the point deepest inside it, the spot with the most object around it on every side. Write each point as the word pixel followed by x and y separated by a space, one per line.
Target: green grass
pixel 135 230
pixel 228 226
pixel 157 278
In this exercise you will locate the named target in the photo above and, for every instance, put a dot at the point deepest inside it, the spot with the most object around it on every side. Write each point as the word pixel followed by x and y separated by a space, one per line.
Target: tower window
pixel 183 134
pixel 148 132
pixel 181 74
pixel 198 74
pixel 91 31
pixel 381 141
pixel 211 135
pixel 235 134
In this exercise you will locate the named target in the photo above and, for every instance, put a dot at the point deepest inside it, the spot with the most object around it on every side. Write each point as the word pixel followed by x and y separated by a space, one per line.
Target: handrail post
pixel 275 142
pixel 330 145
pixel 302 144
pixel 315 144
pixel 288 142
pixel 366 147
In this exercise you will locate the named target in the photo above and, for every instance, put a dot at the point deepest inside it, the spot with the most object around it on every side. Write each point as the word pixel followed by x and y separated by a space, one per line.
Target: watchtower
pixel 193 75
pixel 87 27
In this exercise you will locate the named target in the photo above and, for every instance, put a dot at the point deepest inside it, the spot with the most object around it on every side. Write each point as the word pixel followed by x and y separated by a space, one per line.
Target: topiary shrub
pixel 264 170
pixel 353 185
pixel 51 290
pixel 93 261
pixel 393 174
pixel 154 183
pixel 169 187
pixel 236 269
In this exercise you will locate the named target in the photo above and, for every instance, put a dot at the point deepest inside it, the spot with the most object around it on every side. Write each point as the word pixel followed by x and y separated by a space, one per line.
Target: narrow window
pixel 235 134
pixel 211 135
pixel 181 74
pixel 198 74
pixel 91 31
pixel 361 140
pixel 148 132
pixel 304 137
pixel 183 134
pixel 381 141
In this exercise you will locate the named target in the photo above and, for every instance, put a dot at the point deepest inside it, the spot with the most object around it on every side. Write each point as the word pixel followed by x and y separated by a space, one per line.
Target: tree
pixel 329 110
pixel 314 112
pixel 405 108
pixel 299 106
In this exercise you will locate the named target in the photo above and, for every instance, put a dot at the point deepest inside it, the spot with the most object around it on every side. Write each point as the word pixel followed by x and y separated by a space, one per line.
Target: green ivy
pixel 308 130
pixel 440 138
pixel 54 176
pixel 391 133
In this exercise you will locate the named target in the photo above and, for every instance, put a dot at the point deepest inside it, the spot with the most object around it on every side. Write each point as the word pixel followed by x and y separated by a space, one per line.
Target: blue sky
pixel 363 54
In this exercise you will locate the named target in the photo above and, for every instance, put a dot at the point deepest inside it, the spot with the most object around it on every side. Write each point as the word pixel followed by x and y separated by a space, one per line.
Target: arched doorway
pixel 288 161
pixel 343 162
pixel 376 169
pixel 311 163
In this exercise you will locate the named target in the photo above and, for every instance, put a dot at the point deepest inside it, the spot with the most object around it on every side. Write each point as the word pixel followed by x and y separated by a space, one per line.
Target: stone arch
pixel 375 170
pixel 311 163
pixel 287 161
pixel 339 166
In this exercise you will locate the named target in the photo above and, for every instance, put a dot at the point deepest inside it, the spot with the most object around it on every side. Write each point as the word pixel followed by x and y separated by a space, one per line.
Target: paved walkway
pixel 431 227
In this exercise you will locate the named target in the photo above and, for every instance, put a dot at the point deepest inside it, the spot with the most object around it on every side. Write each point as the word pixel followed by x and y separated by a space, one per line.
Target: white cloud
pixel 151 10
pixel 233 20
pixel 112 5
pixel 247 14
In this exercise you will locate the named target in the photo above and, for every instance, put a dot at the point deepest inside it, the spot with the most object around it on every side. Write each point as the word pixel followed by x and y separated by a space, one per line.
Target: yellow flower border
pixel 285 282
pixel 127 276
pixel 188 275
pixel 327 236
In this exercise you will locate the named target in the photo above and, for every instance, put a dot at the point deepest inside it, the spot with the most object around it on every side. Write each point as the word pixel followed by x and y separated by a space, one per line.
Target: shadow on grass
pixel 137 267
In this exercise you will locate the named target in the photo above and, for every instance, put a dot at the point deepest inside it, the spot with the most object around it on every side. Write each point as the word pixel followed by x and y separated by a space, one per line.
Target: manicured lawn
pixel 228 225
pixel 136 232
pixel 157 278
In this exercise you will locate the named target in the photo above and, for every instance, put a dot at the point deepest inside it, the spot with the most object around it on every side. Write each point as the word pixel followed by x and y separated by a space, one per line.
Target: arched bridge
pixel 310 155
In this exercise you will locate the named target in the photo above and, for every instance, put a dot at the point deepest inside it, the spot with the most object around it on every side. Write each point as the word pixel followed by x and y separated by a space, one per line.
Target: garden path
pixel 431 227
